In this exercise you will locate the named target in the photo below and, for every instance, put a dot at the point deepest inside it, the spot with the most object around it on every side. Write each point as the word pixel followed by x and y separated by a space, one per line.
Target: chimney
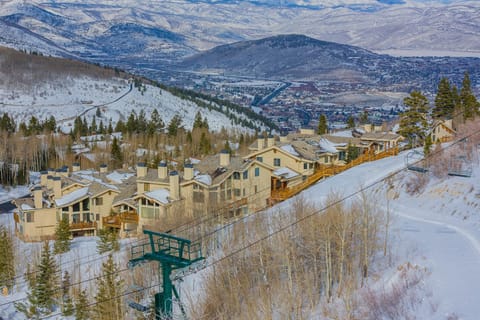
pixel 76 166
pixel 64 171
pixel 58 172
pixel 103 168
pixel 224 158
pixel 162 170
pixel 57 187
pixel 51 172
pixel 174 185
pixel 188 171
pixel 49 181
pixel 270 141
pixel 141 170
pixel 260 143
pixel 38 197
pixel 283 139
pixel 43 178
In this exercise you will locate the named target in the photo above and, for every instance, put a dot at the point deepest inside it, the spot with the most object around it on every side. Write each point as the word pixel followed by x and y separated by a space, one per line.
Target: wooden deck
pixel 327 171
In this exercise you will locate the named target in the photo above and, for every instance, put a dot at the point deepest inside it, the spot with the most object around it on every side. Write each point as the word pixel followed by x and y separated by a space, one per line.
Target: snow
pixel 343 133
pixel 25 206
pixel 327 145
pixel 437 229
pixel 160 195
pixel 289 148
pixel 204 178
pixel 117 177
pixel 68 198
pixel 285 172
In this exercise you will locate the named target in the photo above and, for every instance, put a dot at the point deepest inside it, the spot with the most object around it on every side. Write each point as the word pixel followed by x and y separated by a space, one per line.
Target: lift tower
pixel 171 253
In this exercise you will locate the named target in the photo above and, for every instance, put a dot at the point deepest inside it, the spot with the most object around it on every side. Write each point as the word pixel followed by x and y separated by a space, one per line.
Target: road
pixel 451 254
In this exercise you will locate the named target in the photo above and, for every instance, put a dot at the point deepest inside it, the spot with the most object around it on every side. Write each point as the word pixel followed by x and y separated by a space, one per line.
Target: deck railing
pixel 327 171
pixel 117 220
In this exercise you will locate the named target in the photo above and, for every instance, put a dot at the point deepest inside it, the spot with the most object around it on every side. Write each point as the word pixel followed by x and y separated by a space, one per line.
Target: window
pixel 65 209
pixel 86 217
pixel 342 155
pixel 76 218
pixel 99 201
pixel 305 166
pixel 276 162
pixel 76 207
pixel 237 192
pixel 260 159
pixel 257 172
pixel 146 187
pixel 65 216
pixel 86 204
pixel 245 175
pixel 236 175
pixel 30 217
pixel 97 217
pixel 229 194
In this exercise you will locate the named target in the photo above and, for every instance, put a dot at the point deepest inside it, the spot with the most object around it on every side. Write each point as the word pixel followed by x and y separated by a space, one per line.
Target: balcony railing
pixel 83 225
pixel 327 171
pixel 117 220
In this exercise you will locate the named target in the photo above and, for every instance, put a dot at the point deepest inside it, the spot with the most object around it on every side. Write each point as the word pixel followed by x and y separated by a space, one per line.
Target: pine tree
pixel 107 240
pixel 62 237
pixel 322 124
pixel 444 103
pixel 7 259
pixel 174 125
pixel 67 303
pixel 413 122
pixel 46 282
pixel 470 105
pixel 427 145
pixel 109 289
pixel 43 287
pixel 116 153
pixel 351 122
pixel 82 309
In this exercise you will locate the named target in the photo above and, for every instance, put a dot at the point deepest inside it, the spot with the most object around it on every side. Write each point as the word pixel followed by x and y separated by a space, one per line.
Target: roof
pixel 380 136
pixel 152 176
pixel 119 177
pixel 160 195
pixel 127 192
pixel 286 173
pixel 72 197
pixel 210 165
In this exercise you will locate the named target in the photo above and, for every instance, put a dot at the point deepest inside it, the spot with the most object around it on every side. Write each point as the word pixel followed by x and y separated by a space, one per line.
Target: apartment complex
pixel 219 184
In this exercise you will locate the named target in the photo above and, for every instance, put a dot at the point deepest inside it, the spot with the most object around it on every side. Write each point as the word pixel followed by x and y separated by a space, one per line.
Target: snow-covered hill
pixel 160 31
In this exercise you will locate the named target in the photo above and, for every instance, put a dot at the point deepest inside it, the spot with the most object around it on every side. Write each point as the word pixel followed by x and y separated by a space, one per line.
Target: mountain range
pixel 154 33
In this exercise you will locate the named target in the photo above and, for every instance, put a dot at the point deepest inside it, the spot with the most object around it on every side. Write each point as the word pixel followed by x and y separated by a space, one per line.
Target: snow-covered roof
pixel 343 133
pixel 327 146
pixel 25 206
pixel 204 178
pixel 285 173
pixel 289 148
pixel 159 195
pixel 117 177
pixel 71 197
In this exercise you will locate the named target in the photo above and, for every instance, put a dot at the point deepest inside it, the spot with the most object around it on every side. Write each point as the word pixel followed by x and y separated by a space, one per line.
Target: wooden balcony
pixel 327 171
pixel 117 220
pixel 238 203
pixel 83 225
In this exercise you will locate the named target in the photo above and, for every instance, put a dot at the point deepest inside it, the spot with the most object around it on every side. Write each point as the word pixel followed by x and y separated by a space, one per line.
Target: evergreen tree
pixel 322 124
pixel 107 240
pixel 198 122
pixel 205 146
pixel 67 303
pixel 116 153
pixel 470 105
pixel 62 237
pixel 98 113
pixel 43 287
pixel 174 125
pixel 93 126
pixel 156 120
pixel 427 145
pixel 7 259
pixel 364 117
pixel 351 122
pixel 413 122
pixel 82 309
pixel 110 127
pixel 444 104
pixel 109 289
pixel 352 152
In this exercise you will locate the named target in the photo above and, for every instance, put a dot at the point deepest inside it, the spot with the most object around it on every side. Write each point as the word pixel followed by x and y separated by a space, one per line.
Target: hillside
pixel 45 86
pixel 298 57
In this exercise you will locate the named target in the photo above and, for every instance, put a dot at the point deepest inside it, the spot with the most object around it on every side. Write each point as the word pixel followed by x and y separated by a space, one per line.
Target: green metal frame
pixel 172 253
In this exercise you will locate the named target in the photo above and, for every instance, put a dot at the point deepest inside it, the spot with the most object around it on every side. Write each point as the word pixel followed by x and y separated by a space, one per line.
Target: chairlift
pixel 459 165
pixel 134 304
pixel 415 161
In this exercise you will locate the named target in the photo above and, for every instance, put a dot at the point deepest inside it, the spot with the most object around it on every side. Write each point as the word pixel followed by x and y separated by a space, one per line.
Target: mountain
pixel 33 85
pixel 135 35
pixel 286 57
pixel 298 57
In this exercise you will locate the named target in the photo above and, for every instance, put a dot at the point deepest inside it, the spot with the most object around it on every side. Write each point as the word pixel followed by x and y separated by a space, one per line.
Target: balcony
pixel 117 220
pixel 83 225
